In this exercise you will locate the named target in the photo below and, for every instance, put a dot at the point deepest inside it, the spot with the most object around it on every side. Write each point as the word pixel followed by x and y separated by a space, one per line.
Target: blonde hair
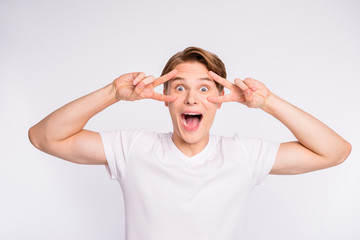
pixel 211 61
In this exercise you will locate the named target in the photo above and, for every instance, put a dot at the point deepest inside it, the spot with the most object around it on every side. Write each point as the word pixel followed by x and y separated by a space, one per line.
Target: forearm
pixel 71 118
pixel 310 132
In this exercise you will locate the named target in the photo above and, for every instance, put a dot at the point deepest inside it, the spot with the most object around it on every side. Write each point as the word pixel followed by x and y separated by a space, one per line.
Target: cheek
pixel 210 107
pixel 173 106
pixel 207 104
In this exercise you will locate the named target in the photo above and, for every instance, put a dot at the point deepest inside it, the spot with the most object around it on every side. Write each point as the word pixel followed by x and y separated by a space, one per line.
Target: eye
pixel 180 88
pixel 204 89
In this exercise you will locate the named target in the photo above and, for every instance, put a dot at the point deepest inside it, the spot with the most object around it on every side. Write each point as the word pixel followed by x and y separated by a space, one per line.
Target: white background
pixel 52 52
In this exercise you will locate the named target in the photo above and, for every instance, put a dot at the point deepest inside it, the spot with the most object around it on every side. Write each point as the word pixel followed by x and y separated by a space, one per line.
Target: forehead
pixel 191 71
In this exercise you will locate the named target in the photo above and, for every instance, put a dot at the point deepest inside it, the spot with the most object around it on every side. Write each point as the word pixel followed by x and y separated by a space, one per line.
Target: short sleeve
pixel 261 156
pixel 117 146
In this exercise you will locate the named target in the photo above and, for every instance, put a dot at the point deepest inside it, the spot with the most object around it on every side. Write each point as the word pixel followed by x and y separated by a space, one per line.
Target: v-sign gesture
pixel 136 86
pixel 249 92
pixel 315 149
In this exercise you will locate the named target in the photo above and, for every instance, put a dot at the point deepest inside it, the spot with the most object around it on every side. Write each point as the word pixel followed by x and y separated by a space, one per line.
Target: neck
pixel 188 148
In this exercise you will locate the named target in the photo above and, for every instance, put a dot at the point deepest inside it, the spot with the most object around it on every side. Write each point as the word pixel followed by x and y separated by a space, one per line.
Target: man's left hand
pixel 249 92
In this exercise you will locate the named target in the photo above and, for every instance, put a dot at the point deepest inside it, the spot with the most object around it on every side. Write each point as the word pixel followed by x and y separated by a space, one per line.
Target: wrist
pixel 111 95
pixel 269 103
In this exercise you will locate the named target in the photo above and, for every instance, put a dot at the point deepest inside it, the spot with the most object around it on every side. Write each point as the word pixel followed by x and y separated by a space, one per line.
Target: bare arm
pixel 61 133
pixel 317 147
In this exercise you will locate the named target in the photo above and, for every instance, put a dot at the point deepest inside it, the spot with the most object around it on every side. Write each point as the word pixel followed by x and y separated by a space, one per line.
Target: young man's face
pixel 191 113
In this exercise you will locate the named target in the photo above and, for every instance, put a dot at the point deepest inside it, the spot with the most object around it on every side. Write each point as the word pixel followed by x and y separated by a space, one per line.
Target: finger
pixel 220 99
pixel 249 95
pixel 163 98
pixel 221 80
pixel 142 84
pixel 148 79
pixel 250 82
pixel 138 78
pixel 139 88
pixel 241 85
pixel 165 77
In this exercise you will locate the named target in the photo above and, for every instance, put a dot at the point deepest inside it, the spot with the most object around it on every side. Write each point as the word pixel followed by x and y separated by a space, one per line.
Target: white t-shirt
pixel 169 196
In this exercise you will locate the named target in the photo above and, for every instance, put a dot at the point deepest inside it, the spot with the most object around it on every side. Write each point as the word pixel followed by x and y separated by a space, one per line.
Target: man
pixel 188 184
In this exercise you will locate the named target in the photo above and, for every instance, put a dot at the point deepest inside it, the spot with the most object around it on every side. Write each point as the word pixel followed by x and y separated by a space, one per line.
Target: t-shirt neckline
pixel 208 148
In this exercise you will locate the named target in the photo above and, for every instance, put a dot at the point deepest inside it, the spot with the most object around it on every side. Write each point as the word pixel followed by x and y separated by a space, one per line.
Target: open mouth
pixel 191 121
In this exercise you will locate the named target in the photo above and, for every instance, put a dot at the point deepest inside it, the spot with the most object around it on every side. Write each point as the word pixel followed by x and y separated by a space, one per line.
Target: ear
pixel 221 94
pixel 166 103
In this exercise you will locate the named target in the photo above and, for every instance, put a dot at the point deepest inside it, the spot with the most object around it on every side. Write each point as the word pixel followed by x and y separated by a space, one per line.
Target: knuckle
pixel 140 75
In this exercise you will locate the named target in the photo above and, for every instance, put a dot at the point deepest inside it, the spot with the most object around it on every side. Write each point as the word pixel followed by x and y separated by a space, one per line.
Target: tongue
pixel 192 122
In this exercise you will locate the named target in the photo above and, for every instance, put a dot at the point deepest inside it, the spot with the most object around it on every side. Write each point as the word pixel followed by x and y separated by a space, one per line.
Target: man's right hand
pixel 136 86
pixel 61 133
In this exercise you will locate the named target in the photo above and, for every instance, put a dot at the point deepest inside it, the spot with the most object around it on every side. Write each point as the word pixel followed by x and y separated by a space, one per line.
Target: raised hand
pixel 136 86
pixel 249 92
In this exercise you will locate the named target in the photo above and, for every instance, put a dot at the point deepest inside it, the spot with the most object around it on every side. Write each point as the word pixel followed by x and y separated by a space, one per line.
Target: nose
pixel 191 98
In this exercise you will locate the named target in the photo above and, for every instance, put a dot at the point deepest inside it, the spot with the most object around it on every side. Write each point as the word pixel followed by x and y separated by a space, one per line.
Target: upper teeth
pixel 192 113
